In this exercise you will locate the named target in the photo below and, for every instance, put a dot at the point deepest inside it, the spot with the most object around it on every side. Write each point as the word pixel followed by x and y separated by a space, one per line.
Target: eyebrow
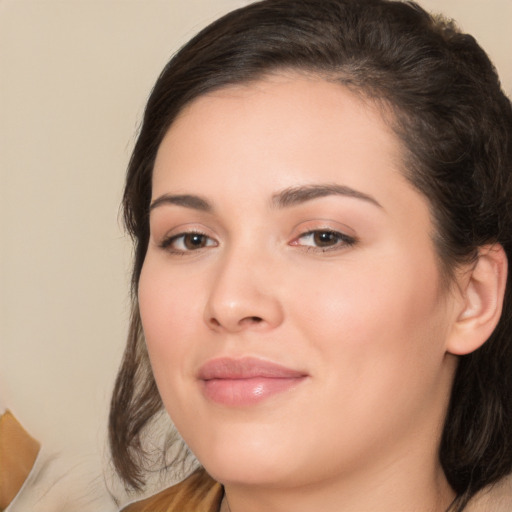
pixel 185 200
pixel 289 197
pixel 296 195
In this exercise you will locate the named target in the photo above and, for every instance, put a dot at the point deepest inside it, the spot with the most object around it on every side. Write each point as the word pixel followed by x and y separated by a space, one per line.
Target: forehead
pixel 288 98
pixel 239 147
pixel 282 120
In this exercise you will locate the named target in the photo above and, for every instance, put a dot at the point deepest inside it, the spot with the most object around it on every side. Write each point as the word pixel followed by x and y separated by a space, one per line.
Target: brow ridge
pixel 296 195
pixel 186 200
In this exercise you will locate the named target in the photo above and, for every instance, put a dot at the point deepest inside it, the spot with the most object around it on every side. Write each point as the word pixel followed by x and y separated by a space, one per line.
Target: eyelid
pixel 346 235
pixel 165 242
pixel 171 239
pixel 341 241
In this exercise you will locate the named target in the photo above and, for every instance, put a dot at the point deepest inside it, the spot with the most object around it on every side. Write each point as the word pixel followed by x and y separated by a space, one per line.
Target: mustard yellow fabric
pixel 197 493
pixel 18 452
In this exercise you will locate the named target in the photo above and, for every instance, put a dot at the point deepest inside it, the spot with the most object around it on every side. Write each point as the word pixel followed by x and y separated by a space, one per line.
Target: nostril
pixel 214 322
pixel 245 321
pixel 254 319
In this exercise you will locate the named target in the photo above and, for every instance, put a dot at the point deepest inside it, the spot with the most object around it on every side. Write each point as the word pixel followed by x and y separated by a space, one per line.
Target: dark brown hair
pixel 456 127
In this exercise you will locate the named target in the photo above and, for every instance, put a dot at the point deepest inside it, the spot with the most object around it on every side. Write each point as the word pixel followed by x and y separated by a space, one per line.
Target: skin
pixel 367 318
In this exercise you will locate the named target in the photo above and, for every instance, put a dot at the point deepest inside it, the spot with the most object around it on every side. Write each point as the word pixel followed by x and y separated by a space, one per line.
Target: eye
pixel 186 242
pixel 324 239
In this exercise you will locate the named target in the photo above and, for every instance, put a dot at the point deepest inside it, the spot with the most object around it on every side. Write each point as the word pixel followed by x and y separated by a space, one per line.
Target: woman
pixel 320 198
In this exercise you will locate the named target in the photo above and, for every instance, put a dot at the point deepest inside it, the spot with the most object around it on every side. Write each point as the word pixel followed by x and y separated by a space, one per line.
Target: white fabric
pixel 63 484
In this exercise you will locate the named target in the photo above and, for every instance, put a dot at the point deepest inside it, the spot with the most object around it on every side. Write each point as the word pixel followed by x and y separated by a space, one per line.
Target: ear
pixel 482 290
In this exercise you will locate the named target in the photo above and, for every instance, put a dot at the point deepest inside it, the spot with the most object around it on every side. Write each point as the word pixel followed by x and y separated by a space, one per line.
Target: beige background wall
pixel 74 76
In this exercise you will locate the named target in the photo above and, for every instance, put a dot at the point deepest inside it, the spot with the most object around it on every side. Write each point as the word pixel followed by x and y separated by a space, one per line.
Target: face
pixel 291 296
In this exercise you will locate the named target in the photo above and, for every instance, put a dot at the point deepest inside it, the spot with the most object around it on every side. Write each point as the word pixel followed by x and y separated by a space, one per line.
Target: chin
pixel 248 473
pixel 248 463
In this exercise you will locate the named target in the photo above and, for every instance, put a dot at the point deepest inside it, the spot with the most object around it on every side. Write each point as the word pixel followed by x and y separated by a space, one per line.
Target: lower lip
pixel 244 392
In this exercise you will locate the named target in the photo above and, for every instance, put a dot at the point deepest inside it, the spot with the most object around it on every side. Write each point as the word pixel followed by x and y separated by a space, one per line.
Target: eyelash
pixel 341 240
pixel 168 242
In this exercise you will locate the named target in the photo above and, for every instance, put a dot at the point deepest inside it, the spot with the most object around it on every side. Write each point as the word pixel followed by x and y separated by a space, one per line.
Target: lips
pixel 247 381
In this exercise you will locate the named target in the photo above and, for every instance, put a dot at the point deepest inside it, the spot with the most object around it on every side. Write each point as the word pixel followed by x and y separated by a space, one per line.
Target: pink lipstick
pixel 247 381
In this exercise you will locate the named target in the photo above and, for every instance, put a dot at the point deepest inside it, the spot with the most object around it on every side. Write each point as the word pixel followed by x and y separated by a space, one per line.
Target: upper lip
pixel 245 368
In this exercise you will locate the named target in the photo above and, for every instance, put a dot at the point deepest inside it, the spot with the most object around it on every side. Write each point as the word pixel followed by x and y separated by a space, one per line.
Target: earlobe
pixel 482 301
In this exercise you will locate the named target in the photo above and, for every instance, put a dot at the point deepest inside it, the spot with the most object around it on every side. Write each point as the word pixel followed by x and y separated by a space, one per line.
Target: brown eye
pixel 325 238
pixel 193 241
pixel 187 242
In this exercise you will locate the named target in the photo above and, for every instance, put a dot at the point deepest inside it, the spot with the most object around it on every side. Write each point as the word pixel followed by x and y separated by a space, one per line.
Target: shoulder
pixel 493 498
pixel 197 493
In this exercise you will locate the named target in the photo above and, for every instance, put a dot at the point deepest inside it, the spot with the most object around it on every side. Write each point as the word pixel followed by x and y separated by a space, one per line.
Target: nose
pixel 243 296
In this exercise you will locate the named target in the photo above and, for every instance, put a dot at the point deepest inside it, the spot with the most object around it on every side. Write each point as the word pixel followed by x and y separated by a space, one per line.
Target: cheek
pixel 378 338
pixel 374 311
pixel 169 313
